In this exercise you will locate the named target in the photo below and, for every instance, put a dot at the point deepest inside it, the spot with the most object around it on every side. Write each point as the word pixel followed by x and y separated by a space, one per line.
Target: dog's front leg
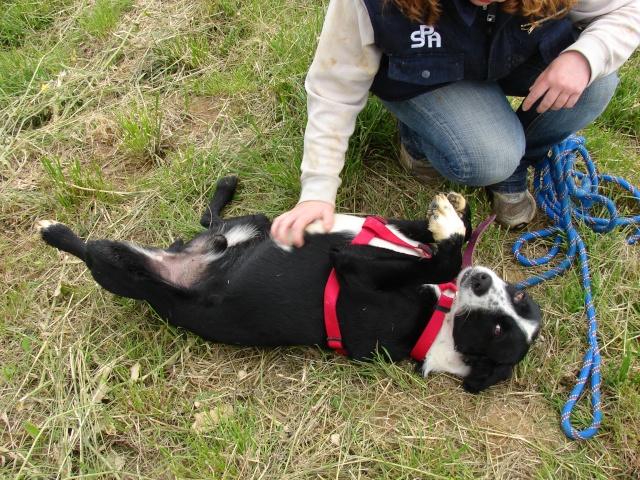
pixel 384 269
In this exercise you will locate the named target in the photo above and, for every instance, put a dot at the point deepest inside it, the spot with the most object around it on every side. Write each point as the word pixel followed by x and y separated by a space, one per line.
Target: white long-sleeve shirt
pixel 347 60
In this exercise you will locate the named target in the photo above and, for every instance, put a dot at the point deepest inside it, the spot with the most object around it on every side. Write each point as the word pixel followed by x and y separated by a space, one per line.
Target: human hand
pixel 560 84
pixel 288 228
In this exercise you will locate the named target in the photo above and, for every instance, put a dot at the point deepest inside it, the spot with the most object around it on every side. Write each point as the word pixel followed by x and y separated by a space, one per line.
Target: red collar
pixel 432 329
pixel 373 227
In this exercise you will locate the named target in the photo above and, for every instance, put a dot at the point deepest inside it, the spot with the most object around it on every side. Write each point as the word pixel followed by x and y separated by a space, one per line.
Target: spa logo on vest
pixel 425 36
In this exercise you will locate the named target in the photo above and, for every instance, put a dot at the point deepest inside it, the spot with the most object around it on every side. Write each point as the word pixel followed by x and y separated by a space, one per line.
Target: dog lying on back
pixel 233 284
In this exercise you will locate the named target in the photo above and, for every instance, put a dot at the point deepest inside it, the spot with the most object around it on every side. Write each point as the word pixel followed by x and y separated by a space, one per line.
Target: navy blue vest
pixel 468 42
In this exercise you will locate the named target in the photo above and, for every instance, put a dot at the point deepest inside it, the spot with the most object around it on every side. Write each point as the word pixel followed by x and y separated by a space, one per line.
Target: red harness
pixel 376 227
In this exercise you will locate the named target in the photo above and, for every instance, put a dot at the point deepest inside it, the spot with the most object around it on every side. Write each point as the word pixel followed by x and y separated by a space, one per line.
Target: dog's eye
pixel 497 330
pixel 518 297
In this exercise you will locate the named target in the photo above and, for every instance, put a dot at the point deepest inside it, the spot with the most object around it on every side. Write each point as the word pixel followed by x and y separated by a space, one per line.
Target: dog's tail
pixel 60 236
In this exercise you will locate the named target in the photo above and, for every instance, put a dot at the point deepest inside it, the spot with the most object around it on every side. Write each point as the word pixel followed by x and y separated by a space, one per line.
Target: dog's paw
pixel 51 232
pixel 458 202
pixel 43 225
pixel 444 219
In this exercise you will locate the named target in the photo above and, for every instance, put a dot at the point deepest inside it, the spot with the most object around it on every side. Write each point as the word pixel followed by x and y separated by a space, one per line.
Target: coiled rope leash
pixel 562 192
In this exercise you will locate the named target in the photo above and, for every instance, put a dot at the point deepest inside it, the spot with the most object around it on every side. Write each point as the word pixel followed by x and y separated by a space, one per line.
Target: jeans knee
pixel 481 167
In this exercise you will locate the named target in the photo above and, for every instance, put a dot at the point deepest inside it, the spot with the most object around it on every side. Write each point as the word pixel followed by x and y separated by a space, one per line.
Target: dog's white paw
pixel 458 202
pixel 444 218
pixel 42 225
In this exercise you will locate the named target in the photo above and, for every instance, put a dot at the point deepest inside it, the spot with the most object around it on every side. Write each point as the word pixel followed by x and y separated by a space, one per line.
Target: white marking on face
pixel 495 299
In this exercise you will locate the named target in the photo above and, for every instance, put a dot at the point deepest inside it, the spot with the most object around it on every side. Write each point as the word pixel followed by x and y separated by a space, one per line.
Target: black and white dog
pixel 233 284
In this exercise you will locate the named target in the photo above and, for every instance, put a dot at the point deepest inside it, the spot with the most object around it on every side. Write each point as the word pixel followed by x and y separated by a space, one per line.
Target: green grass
pixel 118 118
pixel 102 18
pixel 22 19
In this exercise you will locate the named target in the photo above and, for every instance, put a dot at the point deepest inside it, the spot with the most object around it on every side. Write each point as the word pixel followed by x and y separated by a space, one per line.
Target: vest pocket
pixel 427 68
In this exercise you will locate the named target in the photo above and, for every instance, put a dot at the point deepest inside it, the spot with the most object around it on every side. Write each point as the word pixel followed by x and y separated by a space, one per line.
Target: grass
pixel 118 118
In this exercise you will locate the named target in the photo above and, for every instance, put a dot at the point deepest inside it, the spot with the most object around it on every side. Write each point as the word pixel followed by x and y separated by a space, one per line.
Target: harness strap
pixel 334 337
pixel 445 301
pixel 373 227
pixel 376 227
pixel 432 329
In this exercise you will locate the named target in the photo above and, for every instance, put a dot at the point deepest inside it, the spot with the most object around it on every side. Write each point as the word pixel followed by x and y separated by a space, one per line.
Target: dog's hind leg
pixel 132 271
pixel 123 260
pixel 59 236
pixel 223 194
pixel 144 273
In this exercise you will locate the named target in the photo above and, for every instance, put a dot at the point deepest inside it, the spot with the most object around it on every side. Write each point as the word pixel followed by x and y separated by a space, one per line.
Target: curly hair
pixel 428 11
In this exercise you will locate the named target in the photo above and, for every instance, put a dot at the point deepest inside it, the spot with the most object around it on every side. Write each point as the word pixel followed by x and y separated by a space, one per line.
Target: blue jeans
pixel 470 133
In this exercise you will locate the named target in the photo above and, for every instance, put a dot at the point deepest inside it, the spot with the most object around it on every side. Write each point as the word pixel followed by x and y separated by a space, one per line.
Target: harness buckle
pixel 427 250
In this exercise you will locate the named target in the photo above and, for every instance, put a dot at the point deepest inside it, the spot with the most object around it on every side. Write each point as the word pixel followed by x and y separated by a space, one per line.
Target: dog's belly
pixel 269 297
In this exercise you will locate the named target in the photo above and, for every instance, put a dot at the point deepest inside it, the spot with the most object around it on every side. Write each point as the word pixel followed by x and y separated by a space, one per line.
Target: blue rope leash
pixel 563 192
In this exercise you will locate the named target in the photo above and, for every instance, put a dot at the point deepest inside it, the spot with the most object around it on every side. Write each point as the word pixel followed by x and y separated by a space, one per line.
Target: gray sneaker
pixel 419 168
pixel 514 210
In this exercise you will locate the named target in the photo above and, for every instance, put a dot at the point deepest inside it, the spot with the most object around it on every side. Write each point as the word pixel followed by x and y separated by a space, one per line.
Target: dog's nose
pixel 480 283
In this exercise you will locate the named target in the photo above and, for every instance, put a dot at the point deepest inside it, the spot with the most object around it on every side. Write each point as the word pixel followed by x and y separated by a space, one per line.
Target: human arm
pixel 337 85
pixel 611 32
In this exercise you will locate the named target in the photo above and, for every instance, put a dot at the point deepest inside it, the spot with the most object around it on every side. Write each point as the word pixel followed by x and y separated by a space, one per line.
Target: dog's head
pixel 494 325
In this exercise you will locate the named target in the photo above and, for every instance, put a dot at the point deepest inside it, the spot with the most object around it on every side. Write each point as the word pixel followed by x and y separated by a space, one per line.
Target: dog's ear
pixel 484 374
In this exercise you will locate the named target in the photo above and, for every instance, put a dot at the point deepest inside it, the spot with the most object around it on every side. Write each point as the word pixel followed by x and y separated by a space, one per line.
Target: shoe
pixel 419 168
pixel 514 210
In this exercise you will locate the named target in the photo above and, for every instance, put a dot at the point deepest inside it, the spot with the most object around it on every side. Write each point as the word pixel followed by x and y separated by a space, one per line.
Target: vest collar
pixel 467 11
